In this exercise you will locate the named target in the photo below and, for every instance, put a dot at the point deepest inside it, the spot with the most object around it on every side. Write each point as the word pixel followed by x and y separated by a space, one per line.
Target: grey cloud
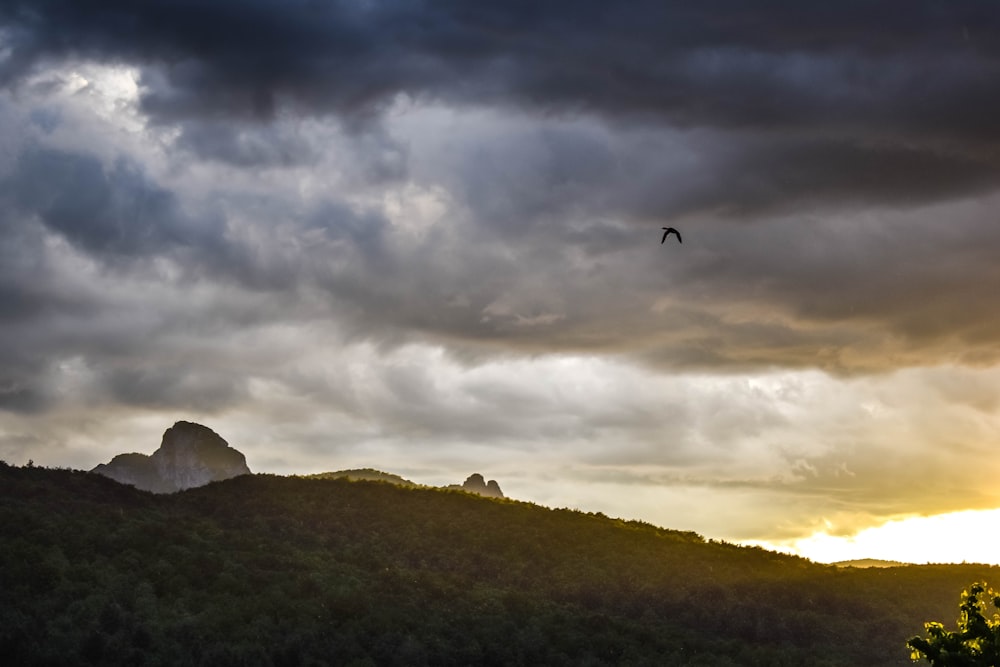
pixel 919 71
pixel 162 387
pixel 775 175
pixel 29 289
pixel 19 396
pixel 574 272
pixel 245 145
pixel 119 216
pixel 532 178
pixel 891 105
pixel 125 236
pixel 114 212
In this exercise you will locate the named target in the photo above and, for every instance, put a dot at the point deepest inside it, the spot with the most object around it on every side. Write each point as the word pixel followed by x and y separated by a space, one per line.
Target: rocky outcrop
pixel 136 470
pixel 476 484
pixel 190 455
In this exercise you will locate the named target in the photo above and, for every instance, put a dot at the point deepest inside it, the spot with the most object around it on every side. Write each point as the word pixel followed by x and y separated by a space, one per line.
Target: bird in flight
pixel 667 232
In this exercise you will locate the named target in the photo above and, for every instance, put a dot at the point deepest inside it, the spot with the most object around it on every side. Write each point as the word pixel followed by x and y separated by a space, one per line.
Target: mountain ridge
pixel 475 483
pixel 192 455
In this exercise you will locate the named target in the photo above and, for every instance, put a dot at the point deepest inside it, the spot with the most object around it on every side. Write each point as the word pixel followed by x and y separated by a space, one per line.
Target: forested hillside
pixel 291 571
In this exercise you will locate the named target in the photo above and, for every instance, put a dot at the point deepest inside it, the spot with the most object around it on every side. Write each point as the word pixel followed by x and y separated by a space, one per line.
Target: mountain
pixel 269 570
pixel 189 455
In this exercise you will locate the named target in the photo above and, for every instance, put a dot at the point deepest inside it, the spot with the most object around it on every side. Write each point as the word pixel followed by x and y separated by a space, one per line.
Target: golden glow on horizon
pixel 970 536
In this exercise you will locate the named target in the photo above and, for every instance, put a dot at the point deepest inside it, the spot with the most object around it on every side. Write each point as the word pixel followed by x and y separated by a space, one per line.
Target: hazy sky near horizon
pixel 425 237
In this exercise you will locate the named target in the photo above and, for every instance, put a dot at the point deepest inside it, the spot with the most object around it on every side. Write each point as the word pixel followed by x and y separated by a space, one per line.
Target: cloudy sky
pixel 424 236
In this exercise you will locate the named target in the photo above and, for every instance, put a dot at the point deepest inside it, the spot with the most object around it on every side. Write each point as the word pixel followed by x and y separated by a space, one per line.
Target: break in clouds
pixel 426 235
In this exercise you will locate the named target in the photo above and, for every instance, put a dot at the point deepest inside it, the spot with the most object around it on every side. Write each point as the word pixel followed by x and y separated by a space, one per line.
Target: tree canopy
pixel 976 642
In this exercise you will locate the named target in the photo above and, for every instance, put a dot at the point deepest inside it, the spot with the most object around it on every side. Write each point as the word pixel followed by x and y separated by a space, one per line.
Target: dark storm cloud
pixel 917 66
pixel 165 387
pixel 889 101
pixel 22 396
pixel 118 215
pixel 105 212
pixel 30 293
pixel 773 176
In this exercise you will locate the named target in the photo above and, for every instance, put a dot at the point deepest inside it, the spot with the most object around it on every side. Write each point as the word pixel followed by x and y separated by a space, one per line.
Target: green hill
pixel 363 474
pixel 868 562
pixel 266 570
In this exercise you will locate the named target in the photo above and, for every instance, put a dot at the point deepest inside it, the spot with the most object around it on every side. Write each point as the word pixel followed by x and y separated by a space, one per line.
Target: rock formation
pixel 137 470
pixel 476 484
pixel 190 455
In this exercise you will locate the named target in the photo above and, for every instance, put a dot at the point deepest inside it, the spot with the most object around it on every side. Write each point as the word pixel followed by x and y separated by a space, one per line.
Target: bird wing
pixel 667 231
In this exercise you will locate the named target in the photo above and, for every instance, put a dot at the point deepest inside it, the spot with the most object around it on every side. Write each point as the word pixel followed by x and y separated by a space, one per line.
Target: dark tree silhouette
pixel 976 643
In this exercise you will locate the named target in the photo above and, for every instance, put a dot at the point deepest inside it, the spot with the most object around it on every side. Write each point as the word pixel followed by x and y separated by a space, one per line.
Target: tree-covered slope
pixel 291 571
pixel 362 474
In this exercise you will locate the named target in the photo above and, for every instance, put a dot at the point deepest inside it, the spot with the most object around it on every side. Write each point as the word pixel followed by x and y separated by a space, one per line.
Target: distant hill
pixel 365 474
pixel 474 484
pixel 869 562
pixel 267 570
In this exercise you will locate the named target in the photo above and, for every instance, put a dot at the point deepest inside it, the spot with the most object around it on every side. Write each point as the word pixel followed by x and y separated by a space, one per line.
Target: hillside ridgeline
pixel 192 455
pixel 267 570
pixel 474 484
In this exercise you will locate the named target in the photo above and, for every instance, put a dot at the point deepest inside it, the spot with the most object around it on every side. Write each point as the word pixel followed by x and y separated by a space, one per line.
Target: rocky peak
pixel 189 455
pixel 477 484
pixel 193 455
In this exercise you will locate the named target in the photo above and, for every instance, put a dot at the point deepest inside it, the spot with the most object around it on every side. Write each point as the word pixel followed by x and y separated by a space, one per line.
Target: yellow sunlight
pixel 970 536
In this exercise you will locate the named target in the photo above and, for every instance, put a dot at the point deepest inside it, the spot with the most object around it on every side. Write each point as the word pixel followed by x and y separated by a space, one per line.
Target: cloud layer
pixel 426 234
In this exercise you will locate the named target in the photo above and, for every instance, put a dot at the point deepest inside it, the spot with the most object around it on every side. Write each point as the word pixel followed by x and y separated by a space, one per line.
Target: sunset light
pixel 958 537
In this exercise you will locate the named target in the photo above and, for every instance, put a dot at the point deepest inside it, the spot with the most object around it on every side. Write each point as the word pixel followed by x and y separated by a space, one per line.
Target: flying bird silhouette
pixel 668 231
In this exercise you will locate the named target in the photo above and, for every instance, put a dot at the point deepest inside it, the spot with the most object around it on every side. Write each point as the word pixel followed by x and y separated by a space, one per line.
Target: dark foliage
pixel 265 570
pixel 976 643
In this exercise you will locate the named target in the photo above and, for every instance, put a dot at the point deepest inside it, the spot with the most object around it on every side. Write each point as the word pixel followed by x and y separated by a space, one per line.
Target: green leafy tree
pixel 976 643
